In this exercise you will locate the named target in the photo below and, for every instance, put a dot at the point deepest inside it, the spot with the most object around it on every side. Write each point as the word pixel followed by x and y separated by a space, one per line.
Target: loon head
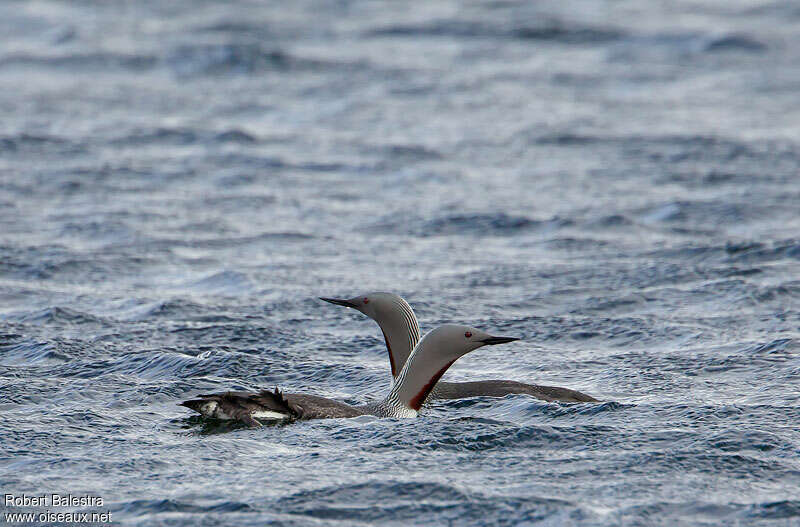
pixel 452 341
pixel 431 358
pixel 395 318
pixel 376 306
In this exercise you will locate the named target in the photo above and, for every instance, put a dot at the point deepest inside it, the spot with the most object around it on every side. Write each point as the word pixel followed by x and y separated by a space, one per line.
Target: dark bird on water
pixel 428 361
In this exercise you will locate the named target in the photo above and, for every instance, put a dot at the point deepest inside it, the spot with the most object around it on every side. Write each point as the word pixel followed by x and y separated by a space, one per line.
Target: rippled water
pixel 615 182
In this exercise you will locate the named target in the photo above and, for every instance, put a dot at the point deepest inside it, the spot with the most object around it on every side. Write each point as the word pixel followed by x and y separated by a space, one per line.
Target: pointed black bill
pixel 498 340
pixel 339 302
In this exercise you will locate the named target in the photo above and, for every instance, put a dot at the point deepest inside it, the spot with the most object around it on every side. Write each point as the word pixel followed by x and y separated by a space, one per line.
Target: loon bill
pixel 401 333
pixel 428 361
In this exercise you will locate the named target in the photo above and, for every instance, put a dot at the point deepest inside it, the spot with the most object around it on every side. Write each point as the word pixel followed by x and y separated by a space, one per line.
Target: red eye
pixel 366 300
pixel 468 334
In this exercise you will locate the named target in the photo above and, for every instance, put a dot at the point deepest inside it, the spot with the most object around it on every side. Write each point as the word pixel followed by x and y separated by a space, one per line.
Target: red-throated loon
pixel 401 333
pixel 428 361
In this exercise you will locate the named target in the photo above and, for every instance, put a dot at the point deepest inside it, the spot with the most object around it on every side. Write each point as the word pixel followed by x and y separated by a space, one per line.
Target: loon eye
pixel 366 300
pixel 468 334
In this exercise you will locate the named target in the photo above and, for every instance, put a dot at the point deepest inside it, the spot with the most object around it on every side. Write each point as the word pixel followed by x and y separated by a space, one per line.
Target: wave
pixel 25 143
pixel 227 281
pixel 82 61
pixel 181 136
pixel 59 316
pixel 476 224
pixel 682 46
pixel 29 352
pixel 136 508
pixel 244 58
pixel 547 30
pixel 377 500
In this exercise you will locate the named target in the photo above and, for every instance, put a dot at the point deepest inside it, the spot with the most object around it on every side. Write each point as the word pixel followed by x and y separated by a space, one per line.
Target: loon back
pixel 501 388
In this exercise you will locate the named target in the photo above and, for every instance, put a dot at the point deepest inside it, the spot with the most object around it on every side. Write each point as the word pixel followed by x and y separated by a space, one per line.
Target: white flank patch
pixel 268 414
pixel 208 409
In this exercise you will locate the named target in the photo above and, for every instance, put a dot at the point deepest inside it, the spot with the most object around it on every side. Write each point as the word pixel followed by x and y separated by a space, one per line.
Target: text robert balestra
pixel 52 500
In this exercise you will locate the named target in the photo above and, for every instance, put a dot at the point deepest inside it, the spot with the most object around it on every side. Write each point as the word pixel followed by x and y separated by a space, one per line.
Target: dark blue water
pixel 615 182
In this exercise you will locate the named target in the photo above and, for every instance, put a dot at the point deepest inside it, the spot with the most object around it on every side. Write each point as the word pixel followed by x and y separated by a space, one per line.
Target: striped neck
pixel 400 331
pixel 419 375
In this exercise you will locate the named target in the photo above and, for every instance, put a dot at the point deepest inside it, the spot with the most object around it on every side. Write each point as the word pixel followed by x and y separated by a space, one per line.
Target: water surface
pixel 614 182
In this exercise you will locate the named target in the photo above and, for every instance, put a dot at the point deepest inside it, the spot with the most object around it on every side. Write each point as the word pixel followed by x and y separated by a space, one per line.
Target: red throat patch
pixel 417 400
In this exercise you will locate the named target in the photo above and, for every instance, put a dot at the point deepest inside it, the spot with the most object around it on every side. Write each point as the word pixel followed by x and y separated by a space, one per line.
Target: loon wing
pixel 269 405
pixel 245 406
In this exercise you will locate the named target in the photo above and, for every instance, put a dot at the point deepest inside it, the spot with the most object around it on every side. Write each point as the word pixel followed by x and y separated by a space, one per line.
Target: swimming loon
pixel 401 333
pixel 428 361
